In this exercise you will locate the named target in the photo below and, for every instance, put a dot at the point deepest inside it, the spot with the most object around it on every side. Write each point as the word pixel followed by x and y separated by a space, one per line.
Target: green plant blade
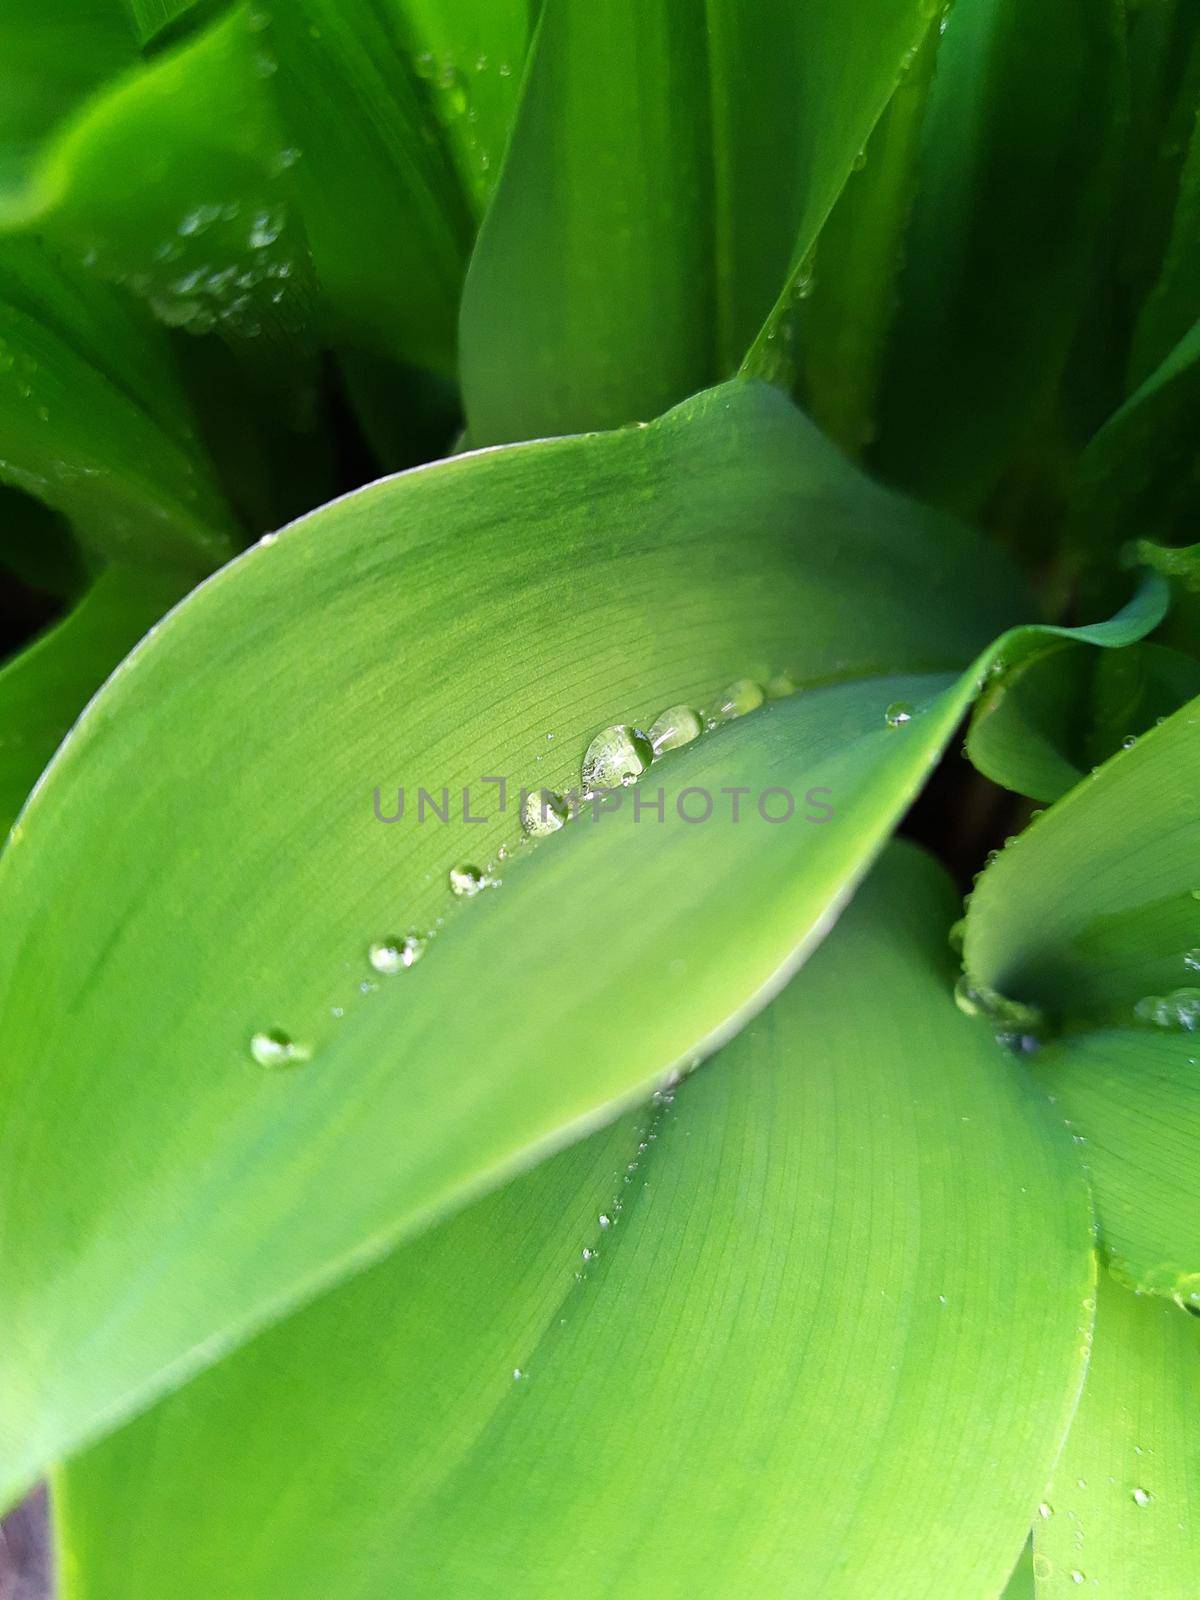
pixel 94 422
pixel 669 170
pixel 797 90
pixel 1017 172
pixel 743 1277
pixel 1136 475
pixel 173 185
pixel 1042 727
pixel 386 220
pixel 470 54
pixel 829 339
pixel 1133 1101
pixel 1092 908
pixel 590 298
pixel 55 52
pixel 43 689
pixel 433 630
pixel 1124 1504
pixel 1021 1584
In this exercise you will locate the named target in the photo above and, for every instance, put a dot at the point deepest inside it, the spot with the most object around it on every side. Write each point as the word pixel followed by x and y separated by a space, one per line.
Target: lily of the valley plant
pixel 507 509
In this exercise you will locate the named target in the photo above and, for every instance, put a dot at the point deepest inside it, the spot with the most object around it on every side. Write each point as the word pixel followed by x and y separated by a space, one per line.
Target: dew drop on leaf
pixel 676 726
pixel 616 757
pixel 271 1047
pixel 740 697
pixel 466 880
pixel 395 955
pixel 543 812
pixel 1141 1497
pixel 898 714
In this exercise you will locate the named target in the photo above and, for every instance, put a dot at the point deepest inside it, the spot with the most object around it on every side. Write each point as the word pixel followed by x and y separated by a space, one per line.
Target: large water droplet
pixel 394 955
pixel 741 696
pixel 616 757
pixel 543 812
pixel 271 1047
pixel 898 714
pixel 676 726
pixel 466 880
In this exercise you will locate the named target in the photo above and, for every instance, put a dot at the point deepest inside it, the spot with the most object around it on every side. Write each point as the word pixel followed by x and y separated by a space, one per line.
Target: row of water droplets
pixel 608 1219
pixel 616 757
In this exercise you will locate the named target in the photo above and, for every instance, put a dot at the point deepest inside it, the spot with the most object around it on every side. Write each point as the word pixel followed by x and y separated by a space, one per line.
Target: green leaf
pixel 798 86
pixel 43 689
pixel 670 168
pixel 1016 174
pixel 55 52
pixel 1042 727
pixel 1021 1584
pixel 1124 1503
pixel 829 343
pixel 1138 476
pixel 212 243
pixel 590 299
pixel 1133 1100
pixel 1092 908
pixel 387 222
pixel 93 420
pixel 745 1275
pixel 433 629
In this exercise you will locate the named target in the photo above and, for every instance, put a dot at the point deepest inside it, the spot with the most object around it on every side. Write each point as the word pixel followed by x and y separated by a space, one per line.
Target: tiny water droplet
pixel 517 1374
pixel 1076 1575
pixel 1045 1509
pixel 271 1047
pixel 466 880
pixel 1142 1497
pixel 616 757
pixel 605 1220
pixel 898 714
pixel 740 697
pixel 394 955
pixel 1191 960
pixel 676 726
pixel 588 1255
pixel 781 686
pixel 543 812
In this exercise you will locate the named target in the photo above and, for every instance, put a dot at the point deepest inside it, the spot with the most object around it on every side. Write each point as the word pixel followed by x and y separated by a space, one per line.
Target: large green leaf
pixel 1122 1512
pixel 379 196
pixel 1016 174
pixel 1092 908
pixel 479 618
pixel 93 420
pixel 1133 1101
pixel 670 166
pixel 646 1357
pixel 43 689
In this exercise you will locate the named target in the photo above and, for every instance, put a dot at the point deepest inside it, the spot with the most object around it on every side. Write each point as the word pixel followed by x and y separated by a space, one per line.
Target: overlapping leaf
pixel 1121 1512
pixel 746 1274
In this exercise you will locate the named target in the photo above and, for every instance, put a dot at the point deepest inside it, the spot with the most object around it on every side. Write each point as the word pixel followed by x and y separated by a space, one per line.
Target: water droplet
pixel 605 1220
pixel 517 1374
pixel 543 812
pixel 1041 1565
pixel 394 955
pixel 589 1255
pixel 1191 960
pixel 676 726
pixel 1076 1575
pixel 739 698
pixel 898 714
pixel 466 880
pixel 1045 1509
pixel 616 757
pixel 781 686
pixel 1128 742
pixel 271 1047
pixel 1142 1497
